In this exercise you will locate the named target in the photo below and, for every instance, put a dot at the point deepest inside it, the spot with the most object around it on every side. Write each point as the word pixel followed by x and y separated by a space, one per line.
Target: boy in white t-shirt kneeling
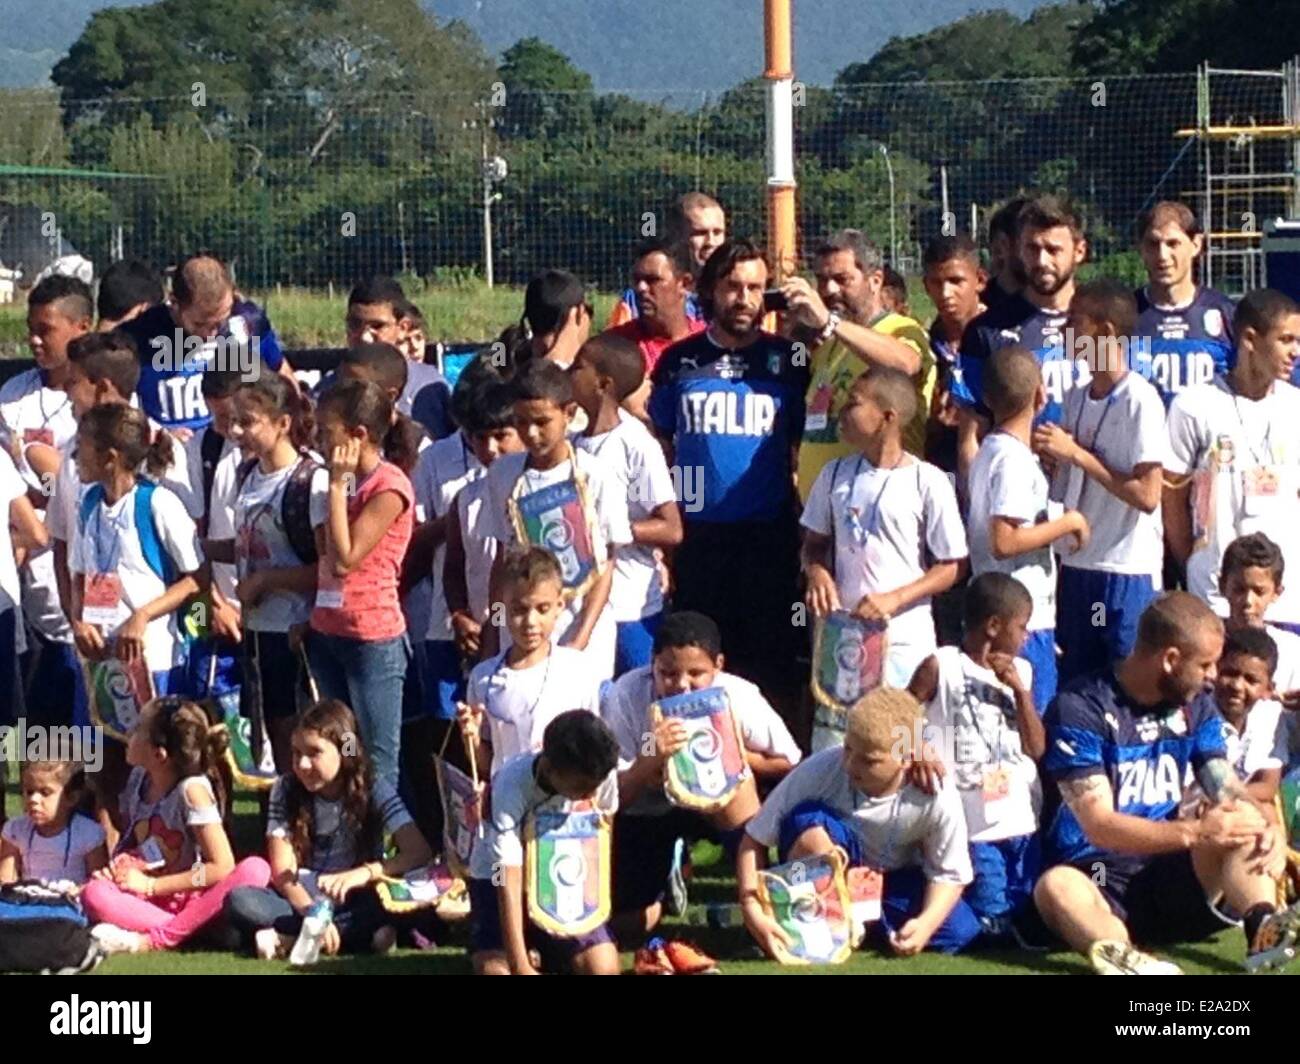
pixel 981 715
pixel 859 798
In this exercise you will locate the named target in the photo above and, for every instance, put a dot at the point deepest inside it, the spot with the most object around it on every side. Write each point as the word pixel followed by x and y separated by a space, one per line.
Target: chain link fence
pixel 310 192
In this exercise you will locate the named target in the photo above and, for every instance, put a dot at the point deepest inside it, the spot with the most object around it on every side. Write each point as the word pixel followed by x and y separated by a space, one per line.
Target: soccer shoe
pixel 1111 957
pixel 270 945
pixel 1274 944
pixel 652 959
pixel 677 899
pixel 114 939
pixel 689 960
pixel 383 940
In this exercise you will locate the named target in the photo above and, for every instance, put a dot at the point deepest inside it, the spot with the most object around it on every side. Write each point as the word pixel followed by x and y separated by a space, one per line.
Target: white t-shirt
pixel 609 505
pixel 1286 677
pixel 899 830
pixel 520 703
pixel 972 720
pixel 480 548
pixel 638 464
pixel 888 526
pixel 516 794
pixel 110 544
pixel 335 842
pixel 225 487
pixel 1125 429
pixel 54 857
pixel 261 543
pixel 34 413
pixel 1262 744
pixel 442 470
pixel 626 709
pixel 165 829
pixel 11 488
pixel 1225 441
pixel 1007 481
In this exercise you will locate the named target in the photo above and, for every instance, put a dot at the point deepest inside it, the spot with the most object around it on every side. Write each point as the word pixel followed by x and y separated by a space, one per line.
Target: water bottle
pixel 306 951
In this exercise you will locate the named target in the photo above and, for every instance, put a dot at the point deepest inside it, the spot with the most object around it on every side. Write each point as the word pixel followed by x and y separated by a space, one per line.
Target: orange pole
pixel 779 74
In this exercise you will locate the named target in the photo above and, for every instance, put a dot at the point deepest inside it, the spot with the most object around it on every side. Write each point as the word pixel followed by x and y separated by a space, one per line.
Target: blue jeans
pixel 55 691
pixel 444 682
pixel 9 694
pixel 250 909
pixel 368 677
pixel 634 643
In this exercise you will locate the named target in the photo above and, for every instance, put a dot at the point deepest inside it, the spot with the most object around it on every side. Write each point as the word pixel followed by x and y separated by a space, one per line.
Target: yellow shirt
pixel 835 366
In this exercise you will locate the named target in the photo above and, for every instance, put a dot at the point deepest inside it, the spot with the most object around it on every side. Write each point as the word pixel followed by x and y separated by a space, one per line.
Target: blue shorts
pixel 444 681
pixel 904 893
pixel 1097 617
pixel 634 643
pixel 1005 874
pixel 486 936
pixel 10 696
pixel 1040 652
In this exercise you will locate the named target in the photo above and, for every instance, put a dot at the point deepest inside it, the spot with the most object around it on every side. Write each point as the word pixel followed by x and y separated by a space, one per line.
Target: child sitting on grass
pixel 324 837
pixel 978 698
pixel 859 798
pixel 173 866
pixel 54 840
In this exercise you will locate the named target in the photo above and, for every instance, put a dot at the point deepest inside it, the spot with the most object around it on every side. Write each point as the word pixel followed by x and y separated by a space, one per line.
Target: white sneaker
pixel 1111 957
pixel 270 945
pixel 114 939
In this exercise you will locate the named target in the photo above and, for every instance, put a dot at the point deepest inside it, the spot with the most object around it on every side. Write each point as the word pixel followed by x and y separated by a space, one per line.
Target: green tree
pixel 547 98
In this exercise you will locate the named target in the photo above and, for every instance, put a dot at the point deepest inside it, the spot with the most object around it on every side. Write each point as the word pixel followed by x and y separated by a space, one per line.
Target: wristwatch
pixel 828 330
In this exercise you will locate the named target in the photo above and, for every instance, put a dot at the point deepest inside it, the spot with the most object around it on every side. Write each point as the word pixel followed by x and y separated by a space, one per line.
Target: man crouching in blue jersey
pixel 1122 745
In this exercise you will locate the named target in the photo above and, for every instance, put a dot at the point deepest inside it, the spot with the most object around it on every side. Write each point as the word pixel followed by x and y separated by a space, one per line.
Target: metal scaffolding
pixel 1248 135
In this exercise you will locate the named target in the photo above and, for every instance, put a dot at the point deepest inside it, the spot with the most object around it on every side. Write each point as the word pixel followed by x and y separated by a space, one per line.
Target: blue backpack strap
pixel 93 497
pixel 155 554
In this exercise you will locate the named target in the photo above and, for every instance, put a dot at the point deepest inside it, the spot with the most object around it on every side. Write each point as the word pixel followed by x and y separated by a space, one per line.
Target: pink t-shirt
pixel 365 604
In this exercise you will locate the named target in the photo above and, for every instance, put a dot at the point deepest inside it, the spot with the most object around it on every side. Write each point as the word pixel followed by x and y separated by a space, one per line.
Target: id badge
pixel 866 888
pixel 329 598
pixel 996 791
pixel 151 853
pixel 101 602
pixel 1261 487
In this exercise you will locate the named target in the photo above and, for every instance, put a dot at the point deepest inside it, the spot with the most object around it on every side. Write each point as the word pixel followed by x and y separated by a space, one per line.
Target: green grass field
pixel 713 882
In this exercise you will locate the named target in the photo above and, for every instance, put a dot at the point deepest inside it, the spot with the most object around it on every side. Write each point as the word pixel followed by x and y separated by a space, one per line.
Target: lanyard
pixel 1268 435
pixel 862 530
pixel 491 694
pixel 67 841
pixel 996 748
pixel 108 551
pixel 40 402
pixel 1096 436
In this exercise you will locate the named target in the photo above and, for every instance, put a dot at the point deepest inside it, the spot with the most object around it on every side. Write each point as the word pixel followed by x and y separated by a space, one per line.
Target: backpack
pixel 295 505
pixel 44 930
pixel 210 448
pixel 155 555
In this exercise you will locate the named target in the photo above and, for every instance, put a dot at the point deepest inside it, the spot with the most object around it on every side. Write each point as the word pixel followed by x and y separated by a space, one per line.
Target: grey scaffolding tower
pixel 1248 134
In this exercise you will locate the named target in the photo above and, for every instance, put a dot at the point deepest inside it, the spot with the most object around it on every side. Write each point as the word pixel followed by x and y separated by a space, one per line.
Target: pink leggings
pixel 172 919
